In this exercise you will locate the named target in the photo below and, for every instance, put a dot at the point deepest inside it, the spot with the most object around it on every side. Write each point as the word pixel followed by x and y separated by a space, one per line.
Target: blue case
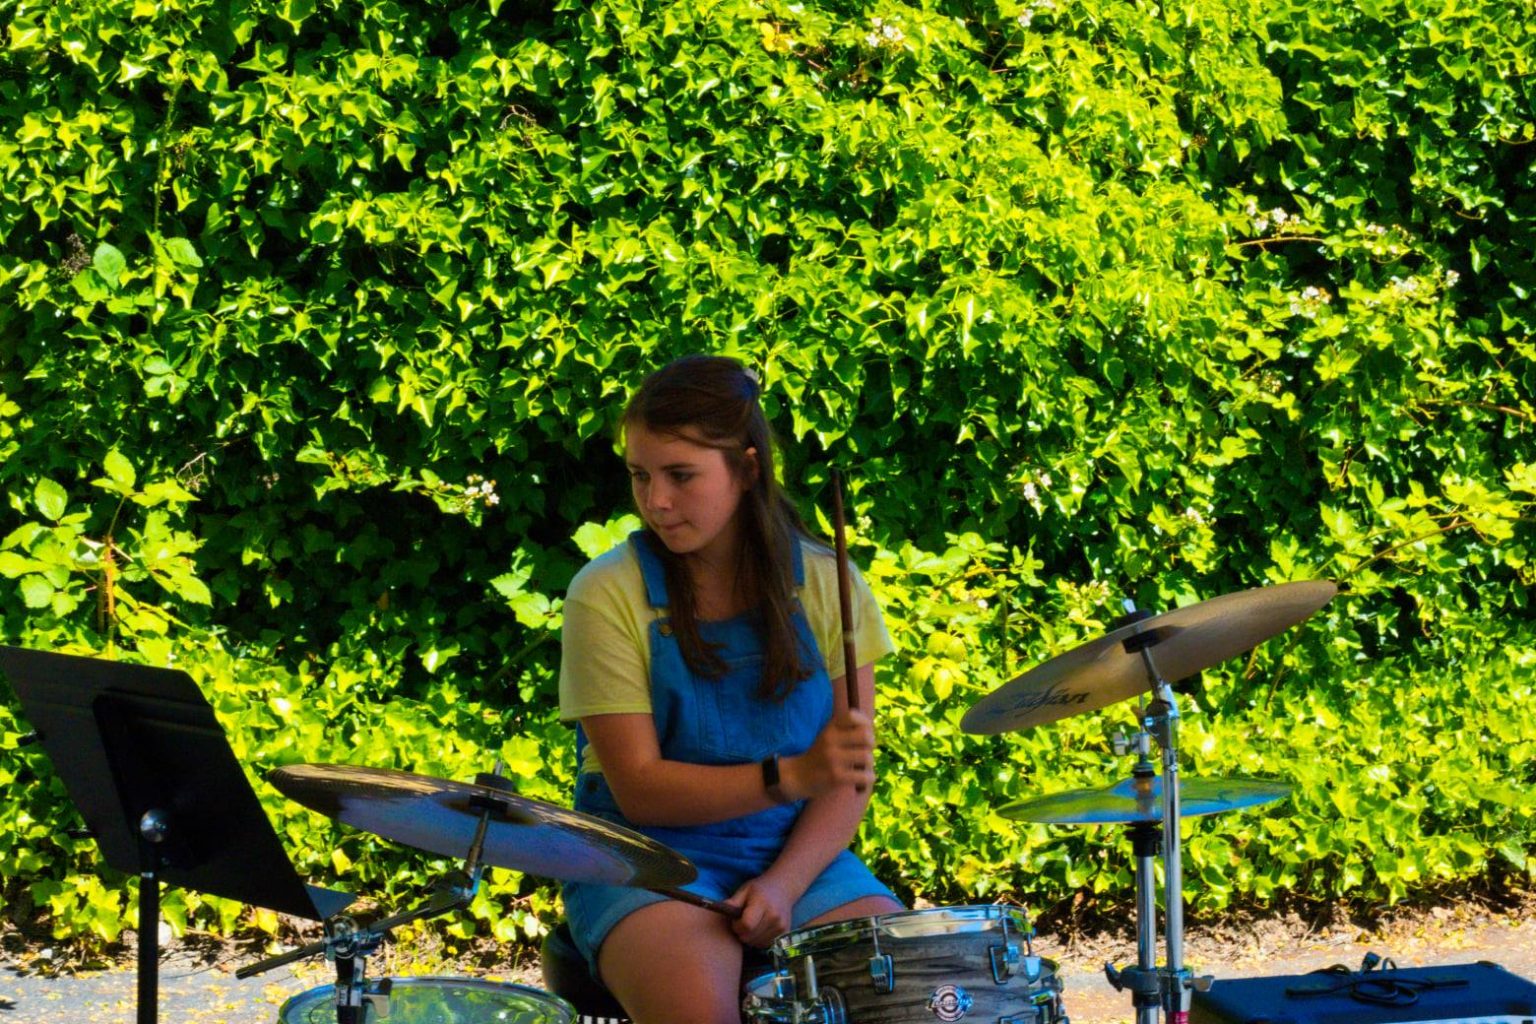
pixel 1463 994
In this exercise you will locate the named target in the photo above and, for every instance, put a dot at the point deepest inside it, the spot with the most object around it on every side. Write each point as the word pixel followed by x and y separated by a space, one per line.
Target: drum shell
pixel 946 964
pixel 440 1000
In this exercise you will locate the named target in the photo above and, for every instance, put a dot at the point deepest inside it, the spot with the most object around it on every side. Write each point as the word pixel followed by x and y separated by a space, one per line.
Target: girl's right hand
pixel 843 755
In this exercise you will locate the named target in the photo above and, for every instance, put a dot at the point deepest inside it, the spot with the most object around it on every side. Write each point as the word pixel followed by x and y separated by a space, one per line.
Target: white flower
pixel 885 34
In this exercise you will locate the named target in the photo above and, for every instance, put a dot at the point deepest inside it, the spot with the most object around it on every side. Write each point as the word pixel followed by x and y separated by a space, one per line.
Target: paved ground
pixel 196 986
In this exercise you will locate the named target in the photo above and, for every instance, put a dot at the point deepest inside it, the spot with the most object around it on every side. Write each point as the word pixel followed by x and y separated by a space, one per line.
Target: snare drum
pixel 438 1001
pixel 947 963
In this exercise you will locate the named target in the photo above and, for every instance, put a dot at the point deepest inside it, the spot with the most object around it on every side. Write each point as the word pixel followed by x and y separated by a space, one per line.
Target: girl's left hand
pixel 765 911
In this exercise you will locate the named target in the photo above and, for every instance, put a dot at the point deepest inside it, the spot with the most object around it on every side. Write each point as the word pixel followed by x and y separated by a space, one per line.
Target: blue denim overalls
pixel 720 721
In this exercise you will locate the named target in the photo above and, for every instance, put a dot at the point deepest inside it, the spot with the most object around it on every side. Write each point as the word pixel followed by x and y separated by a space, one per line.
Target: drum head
pixel 440 1001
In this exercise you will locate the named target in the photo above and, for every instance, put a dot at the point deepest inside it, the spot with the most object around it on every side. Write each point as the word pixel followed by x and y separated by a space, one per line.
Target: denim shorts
pixel 593 910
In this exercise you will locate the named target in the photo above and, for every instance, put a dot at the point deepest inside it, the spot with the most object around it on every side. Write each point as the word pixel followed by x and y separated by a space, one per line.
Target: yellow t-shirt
pixel 606 642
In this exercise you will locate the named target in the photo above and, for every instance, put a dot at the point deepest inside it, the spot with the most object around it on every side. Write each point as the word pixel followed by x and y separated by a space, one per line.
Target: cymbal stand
pixel 1174 982
pixel 348 946
pixel 1144 981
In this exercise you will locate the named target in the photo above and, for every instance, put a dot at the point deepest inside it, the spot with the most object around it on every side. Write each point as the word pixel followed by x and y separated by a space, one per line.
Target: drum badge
pixel 950 1002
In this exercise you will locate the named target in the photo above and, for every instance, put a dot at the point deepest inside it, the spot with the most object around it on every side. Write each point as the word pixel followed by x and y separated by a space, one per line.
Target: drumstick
pixel 844 594
pixel 724 909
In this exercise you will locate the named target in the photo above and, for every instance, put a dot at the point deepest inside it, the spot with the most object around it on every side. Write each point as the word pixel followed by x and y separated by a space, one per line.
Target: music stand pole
pixel 152 832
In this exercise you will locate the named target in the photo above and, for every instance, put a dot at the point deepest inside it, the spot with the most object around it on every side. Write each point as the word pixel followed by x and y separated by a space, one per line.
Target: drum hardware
pixel 1006 958
pixel 348 946
pixel 1141 657
pixel 882 971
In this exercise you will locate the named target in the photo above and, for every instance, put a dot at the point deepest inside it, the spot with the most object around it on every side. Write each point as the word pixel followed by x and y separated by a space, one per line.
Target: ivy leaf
pixel 119 469
pixel 36 591
pixel 13 565
pixel 595 538
pixel 51 499
pixel 183 252
pixel 295 11
pixel 109 264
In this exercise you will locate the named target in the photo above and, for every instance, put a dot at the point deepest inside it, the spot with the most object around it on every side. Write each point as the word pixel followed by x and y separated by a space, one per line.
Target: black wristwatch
pixel 770 766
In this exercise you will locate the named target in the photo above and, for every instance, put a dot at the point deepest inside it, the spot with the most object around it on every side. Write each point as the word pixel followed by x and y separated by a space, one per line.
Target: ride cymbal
pixel 1141 800
pixel 522 834
pixel 1110 669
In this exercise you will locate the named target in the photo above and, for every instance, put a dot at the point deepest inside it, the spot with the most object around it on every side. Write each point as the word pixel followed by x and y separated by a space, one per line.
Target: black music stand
pixel 148 766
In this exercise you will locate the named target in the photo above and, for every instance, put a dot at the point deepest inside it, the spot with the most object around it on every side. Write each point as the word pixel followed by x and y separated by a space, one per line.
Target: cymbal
pixel 522 834
pixel 1134 800
pixel 1110 669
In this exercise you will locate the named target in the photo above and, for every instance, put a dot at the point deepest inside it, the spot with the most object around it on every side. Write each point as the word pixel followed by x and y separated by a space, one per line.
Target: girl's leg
pixel 867 906
pixel 671 963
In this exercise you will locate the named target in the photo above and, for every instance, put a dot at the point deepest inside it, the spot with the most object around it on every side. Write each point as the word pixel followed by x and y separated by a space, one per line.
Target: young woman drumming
pixel 703 663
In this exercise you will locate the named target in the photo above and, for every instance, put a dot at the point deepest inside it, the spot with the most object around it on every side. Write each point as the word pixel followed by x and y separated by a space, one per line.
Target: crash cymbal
pixel 1141 799
pixel 441 816
pixel 1110 669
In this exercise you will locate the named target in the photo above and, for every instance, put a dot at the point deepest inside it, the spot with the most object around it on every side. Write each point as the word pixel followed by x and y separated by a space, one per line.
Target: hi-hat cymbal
pixel 1141 799
pixel 1110 669
pixel 441 816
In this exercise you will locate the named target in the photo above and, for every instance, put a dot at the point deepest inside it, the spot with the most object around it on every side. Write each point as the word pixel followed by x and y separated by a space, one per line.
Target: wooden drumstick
pixel 694 899
pixel 844 593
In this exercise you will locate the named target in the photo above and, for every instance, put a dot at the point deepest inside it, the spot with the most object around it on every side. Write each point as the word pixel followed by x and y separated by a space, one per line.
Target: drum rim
pixel 429 981
pixel 810 940
pixel 775 1009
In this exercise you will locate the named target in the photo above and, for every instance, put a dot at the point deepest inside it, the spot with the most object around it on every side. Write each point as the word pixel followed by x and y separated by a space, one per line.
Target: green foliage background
pixel 316 318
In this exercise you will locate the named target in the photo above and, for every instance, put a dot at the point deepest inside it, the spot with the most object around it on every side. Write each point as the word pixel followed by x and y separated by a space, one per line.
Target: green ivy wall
pixel 316 319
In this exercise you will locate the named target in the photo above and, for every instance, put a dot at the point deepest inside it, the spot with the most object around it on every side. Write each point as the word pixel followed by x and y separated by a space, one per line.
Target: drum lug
pixel 1005 961
pixel 882 971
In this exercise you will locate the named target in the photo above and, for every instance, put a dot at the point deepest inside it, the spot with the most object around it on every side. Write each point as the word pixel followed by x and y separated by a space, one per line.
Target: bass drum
pixel 437 1001
pixel 945 963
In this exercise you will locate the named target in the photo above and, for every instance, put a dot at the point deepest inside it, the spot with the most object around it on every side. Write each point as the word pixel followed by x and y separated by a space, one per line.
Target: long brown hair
pixel 713 400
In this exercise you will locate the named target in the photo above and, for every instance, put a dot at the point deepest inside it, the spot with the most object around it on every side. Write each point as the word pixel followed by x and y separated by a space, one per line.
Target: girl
pixel 703 663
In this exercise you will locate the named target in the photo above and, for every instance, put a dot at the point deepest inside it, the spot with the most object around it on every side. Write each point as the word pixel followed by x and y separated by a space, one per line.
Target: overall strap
pixel 651 569
pixel 797 559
